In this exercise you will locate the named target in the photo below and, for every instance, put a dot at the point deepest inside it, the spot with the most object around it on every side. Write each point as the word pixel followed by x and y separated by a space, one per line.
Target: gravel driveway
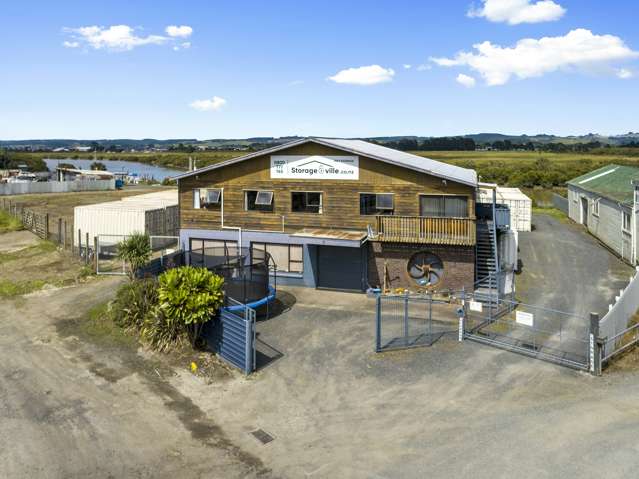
pixel 566 269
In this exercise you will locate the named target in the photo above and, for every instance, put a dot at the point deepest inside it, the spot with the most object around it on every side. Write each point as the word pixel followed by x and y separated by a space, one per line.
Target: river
pixel 143 170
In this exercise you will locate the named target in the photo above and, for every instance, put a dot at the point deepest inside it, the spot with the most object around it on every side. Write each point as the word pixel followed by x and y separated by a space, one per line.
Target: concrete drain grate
pixel 262 436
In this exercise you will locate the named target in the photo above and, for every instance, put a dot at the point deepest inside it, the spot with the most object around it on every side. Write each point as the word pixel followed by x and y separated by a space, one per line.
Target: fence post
pixel 95 253
pixel 79 242
pixel 86 252
pixel 46 226
pixel 595 347
pixel 406 318
pixel 59 230
pixel 461 312
pixel 378 323
pixel 65 233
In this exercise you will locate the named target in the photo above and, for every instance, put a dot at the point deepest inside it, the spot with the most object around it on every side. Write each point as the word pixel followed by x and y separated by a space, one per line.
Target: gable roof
pixel 612 181
pixel 364 148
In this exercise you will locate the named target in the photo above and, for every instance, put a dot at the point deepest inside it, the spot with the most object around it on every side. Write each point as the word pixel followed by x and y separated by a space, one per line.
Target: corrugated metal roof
pixel 370 150
pixel 146 202
pixel 612 181
pixel 503 194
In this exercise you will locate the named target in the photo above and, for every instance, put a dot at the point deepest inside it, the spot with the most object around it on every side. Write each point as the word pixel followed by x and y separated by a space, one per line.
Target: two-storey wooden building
pixel 341 214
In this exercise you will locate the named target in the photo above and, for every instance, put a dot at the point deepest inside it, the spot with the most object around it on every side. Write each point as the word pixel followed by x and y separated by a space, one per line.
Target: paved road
pixel 71 409
pixel 565 268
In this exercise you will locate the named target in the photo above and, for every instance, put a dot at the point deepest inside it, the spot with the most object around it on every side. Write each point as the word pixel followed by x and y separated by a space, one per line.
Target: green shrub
pixel 135 251
pixel 188 297
pixel 9 223
pixel 134 301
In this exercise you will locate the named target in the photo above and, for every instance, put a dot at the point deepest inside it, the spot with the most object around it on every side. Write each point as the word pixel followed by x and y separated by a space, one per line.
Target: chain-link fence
pixel 548 334
pixel 408 321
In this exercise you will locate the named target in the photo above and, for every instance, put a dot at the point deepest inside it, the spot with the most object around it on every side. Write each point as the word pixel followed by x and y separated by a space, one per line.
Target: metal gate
pixel 406 321
pixel 547 334
pixel 163 250
pixel 232 335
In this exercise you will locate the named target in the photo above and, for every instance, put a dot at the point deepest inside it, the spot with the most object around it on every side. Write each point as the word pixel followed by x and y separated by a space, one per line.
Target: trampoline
pixel 245 272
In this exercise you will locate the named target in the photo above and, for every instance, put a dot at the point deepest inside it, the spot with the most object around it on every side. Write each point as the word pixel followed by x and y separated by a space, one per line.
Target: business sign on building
pixel 315 167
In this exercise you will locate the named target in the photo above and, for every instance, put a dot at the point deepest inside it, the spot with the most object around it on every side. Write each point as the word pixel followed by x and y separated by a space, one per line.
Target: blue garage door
pixel 340 268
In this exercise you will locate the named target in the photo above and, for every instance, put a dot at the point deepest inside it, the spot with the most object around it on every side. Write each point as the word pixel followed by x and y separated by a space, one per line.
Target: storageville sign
pixel 315 167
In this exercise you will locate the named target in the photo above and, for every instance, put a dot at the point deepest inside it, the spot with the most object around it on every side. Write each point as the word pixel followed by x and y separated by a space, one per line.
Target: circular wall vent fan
pixel 425 269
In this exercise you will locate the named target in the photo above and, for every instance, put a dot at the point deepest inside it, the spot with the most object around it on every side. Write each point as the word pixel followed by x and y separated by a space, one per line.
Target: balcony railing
pixel 421 229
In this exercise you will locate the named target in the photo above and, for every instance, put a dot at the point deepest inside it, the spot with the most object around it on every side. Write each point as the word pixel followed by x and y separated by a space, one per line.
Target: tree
pixel 135 251
pixel 98 165
pixel 66 165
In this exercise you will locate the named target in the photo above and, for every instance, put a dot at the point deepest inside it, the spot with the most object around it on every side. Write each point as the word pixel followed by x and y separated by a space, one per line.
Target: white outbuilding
pixel 519 204
pixel 155 214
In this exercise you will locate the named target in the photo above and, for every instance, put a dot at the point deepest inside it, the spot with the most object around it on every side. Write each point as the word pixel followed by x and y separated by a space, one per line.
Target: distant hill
pixel 265 141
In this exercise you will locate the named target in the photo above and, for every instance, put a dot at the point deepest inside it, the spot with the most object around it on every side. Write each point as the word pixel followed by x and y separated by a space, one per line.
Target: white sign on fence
pixel 475 306
pixel 315 167
pixel 526 319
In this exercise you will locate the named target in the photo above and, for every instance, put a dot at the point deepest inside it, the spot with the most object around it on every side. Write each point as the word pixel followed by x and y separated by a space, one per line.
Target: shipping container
pixel 520 205
pixel 155 214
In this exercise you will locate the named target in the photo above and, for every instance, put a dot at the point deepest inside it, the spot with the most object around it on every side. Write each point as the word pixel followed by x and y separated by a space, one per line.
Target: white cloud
pixel 424 67
pixel 369 75
pixel 115 37
pixel 124 37
pixel 296 82
pixel 578 50
pixel 515 12
pixel 213 104
pixel 625 74
pixel 182 46
pixel 183 31
pixel 407 66
pixel 465 80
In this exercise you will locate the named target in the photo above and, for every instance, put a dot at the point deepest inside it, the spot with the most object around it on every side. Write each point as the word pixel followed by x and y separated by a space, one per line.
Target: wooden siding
pixel 340 197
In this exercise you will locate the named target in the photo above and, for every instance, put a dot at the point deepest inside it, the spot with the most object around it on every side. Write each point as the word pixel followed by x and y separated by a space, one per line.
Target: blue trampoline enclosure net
pixel 245 270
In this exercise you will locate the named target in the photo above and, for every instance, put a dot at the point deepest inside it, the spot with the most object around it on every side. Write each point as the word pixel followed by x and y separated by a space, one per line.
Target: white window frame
pixel 375 193
pixel 264 246
pixel 257 192
pixel 625 213
pixel 321 204
pixel 392 197
pixel 197 202
pixel 206 196
pixel 595 207
pixel 262 202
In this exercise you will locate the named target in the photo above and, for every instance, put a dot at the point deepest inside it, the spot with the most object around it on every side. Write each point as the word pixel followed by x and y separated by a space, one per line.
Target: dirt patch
pixel 16 240
pixel 39 265
pixel 95 336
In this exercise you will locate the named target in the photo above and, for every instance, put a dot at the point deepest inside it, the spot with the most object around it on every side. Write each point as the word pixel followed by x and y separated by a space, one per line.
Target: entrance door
pixel 339 268
pixel 584 211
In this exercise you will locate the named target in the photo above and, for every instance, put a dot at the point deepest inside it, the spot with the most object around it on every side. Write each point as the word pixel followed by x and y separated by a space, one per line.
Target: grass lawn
pixel 9 223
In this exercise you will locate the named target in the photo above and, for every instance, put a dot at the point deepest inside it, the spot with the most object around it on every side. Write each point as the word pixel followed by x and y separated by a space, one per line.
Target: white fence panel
pixel 38 187
pixel 618 318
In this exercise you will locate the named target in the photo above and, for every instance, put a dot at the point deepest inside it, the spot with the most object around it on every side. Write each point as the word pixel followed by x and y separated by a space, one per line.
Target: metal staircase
pixel 486 265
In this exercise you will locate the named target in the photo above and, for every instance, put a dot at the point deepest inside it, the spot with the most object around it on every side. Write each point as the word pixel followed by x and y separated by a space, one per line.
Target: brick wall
pixel 459 265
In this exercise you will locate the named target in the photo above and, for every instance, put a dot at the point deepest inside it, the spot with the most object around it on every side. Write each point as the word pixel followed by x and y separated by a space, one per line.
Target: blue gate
pixel 232 336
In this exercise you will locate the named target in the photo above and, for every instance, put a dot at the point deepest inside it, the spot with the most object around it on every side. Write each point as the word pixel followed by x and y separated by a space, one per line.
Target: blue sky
pixel 259 68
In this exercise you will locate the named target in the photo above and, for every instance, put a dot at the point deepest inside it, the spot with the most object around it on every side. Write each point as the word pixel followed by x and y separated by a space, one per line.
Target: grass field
pixel 62 204
pixel 531 169
pixel 511 168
